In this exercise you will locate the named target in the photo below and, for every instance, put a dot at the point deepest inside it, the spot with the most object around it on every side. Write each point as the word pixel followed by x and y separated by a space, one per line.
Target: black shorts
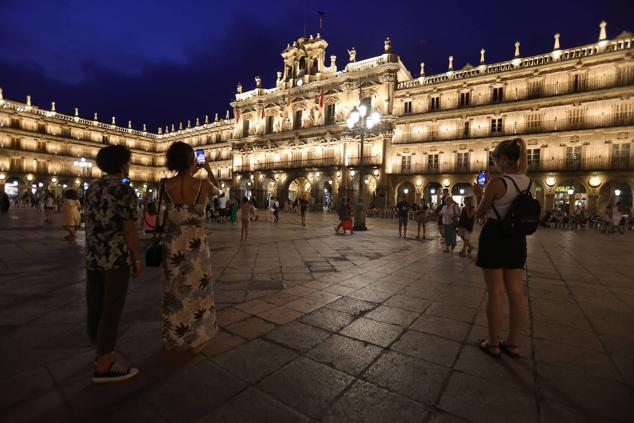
pixel 497 250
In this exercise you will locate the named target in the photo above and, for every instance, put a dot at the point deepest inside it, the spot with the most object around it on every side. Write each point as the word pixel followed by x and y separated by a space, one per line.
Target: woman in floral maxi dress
pixel 189 315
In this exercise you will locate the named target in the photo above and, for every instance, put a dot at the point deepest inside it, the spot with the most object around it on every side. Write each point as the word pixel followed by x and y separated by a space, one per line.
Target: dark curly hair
pixel 180 156
pixel 112 158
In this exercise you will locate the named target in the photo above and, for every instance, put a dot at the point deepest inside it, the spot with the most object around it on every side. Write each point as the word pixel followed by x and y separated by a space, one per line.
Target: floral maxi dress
pixel 189 314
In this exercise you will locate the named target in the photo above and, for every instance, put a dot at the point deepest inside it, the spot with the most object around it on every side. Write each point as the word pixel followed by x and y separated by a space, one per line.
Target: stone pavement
pixel 319 327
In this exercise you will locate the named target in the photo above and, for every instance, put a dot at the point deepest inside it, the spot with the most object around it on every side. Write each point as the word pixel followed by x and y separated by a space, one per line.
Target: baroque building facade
pixel 573 107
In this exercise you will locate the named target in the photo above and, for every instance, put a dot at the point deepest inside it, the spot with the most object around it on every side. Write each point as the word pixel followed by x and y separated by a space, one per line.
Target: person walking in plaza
pixel 276 210
pixel 247 211
pixel 421 216
pixel 450 214
pixel 112 256
pixel 71 216
pixel 403 208
pixel 465 226
pixel 189 313
pixel 222 208
pixel 253 202
pixel 233 209
pixel 49 207
pixel 345 217
pixel 303 206
pixel 501 255
pixel 439 206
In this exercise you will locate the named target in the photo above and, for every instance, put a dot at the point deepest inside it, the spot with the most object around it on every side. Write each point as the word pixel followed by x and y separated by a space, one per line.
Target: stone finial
pixel 114 120
pixel 482 56
pixel 180 126
pixel 422 68
pixel 144 127
pixel 227 116
pixel 387 45
pixel 167 130
pixel 189 124
pixel 52 106
pixel 556 45
pixel 258 82
pixel 239 88
pixel 76 111
pixel 311 37
pixel 216 117
pixel 197 121
pixel 160 130
pixel 450 63
pixel 1 94
pixel 279 76
pixel 206 119
pixel 333 60
pixel 173 128
pixel 95 116
pixel 602 33
pixel 517 49
pixel 28 100
pixel 130 124
pixel 352 55
pixel 318 36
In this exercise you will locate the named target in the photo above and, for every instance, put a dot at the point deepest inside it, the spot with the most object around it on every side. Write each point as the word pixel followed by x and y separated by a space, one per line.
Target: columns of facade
pixel 549 201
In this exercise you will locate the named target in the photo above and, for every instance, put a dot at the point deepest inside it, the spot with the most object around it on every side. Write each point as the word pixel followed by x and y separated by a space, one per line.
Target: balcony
pixel 289 164
pixel 511 128
pixel 437 168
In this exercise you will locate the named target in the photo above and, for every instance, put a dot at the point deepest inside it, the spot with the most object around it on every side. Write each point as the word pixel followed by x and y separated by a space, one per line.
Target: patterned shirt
pixel 107 203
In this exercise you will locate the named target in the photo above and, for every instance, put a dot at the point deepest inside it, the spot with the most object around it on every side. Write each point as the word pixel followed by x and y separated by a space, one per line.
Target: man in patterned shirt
pixel 112 256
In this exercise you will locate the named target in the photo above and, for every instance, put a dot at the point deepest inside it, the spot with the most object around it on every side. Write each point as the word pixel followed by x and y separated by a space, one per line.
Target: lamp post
pixel 363 119
pixel 84 165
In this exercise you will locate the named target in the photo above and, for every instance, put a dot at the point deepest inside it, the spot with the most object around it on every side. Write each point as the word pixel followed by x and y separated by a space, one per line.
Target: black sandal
pixel 506 348
pixel 483 344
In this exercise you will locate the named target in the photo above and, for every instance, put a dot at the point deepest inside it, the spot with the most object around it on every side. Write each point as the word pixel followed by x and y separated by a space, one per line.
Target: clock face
pixel 300 82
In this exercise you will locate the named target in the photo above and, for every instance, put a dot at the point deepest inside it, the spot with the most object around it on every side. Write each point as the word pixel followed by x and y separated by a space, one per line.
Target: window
pixel 573 157
pixel 535 88
pixel 218 137
pixel 15 123
pixel 245 128
pixel 330 114
pixel 533 155
pixel 534 121
pixel 329 156
pixel 297 157
pixel 66 132
pixel 269 125
pixel 41 146
pixel 406 163
pixel 576 118
pixel 435 103
pixel 623 113
pixel 465 99
pixel 432 161
pixel 496 125
pixel 41 128
pixel 104 139
pixel 578 83
pixel 297 122
pixel 498 94
pixel 433 132
pixel 620 156
pixel 465 131
pixel 462 161
pixel 408 107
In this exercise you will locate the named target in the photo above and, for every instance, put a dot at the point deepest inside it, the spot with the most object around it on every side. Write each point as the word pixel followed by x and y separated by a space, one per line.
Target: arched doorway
pixel 328 199
pixel 432 193
pixel 570 194
pixel 614 192
pixel 406 191
pixel 298 188
pixel 460 191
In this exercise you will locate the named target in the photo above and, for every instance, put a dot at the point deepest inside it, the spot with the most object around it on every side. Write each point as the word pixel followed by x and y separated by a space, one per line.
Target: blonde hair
pixel 515 150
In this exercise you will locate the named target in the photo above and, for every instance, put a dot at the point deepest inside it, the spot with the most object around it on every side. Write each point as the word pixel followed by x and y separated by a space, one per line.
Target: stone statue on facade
pixel 353 55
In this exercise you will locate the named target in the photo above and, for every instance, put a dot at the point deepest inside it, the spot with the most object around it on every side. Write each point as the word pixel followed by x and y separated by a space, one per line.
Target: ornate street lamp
pixel 362 119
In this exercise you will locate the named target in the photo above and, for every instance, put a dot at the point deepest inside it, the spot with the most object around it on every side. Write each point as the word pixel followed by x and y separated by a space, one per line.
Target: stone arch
pixel 296 187
pixel 371 186
pixel 570 193
pixel 608 194
pixel 406 190
pixel 432 193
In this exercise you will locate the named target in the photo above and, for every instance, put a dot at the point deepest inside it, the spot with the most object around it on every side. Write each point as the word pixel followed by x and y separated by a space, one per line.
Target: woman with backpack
pixel 502 248
pixel 450 214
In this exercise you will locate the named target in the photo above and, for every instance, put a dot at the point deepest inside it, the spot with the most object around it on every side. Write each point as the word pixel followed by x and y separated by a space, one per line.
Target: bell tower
pixel 304 62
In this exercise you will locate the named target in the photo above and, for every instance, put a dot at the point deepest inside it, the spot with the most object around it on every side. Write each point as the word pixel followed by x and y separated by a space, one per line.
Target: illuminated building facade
pixel 574 108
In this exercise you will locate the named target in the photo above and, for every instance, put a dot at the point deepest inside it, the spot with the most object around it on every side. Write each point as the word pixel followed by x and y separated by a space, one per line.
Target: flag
pixel 321 99
pixel 321 20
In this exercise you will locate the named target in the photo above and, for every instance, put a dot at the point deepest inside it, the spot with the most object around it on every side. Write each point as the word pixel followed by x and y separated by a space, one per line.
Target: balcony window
pixel 330 114
pixel 269 124
pixel 496 125
pixel 435 103
pixel 406 163
pixel 432 161
pixel 465 130
pixel 66 132
pixel 407 107
pixel 576 118
pixel 533 156
pixel 245 128
pixel 534 121
pixel 465 99
pixel 535 89
pixel 433 132
pixel 620 156
pixel 498 94
pixel 573 157
pixel 462 161
pixel 297 122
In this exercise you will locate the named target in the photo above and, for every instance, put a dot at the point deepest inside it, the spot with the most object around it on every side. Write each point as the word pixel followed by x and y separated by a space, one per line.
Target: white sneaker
pixel 115 373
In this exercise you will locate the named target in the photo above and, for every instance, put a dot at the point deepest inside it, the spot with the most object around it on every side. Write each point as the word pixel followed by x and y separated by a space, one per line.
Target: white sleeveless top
pixel 503 205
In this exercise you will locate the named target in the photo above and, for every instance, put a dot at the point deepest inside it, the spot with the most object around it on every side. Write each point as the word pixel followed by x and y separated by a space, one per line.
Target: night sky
pixel 161 62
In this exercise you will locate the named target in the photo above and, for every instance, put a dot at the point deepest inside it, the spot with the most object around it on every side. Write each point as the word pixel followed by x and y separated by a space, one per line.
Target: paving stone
pixel 395 316
pixel 460 313
pixel 280 298
pixel 352 305
pixel 229 316
pixel 251 328
pixel 480 401
pixel 25 386
pixel 328 319
pixel 442 327
pixel 306 385
pixel 255 306
pixel 193 394
pixel 377 333
pixel 221 342
pixel 411 377
pixel 408 303
pixel 280 315
pixel 253 405
pixel 428 347
pixel 49 406
pixel 556 412
pixel 298 336
pixel 365 402
pixel 254 360
pixel 369 294
pixel 345 354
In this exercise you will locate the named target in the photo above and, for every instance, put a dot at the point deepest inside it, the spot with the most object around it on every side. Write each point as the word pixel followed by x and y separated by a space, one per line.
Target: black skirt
pixel 497 250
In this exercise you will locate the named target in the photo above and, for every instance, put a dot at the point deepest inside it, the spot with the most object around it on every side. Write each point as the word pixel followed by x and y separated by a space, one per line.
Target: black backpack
pixel 523 217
